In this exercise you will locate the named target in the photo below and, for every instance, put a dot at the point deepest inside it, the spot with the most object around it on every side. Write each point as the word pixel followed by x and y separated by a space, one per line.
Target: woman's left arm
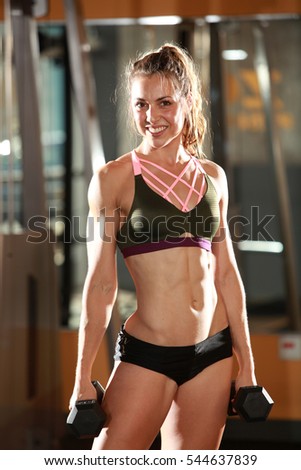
pixel 230 287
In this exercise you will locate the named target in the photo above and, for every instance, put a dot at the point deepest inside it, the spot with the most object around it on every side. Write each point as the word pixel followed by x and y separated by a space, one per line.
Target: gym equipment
pixel 277 158
pixel 30 408
pixel 252 403
pixel 87 418
pixel 85 97
pixel 83 84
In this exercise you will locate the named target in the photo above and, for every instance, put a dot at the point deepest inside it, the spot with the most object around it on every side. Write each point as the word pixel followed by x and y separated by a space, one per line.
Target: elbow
pixel 101 289
pixel 223 274
pixel 107 289
pixel 227 276
pixel 230 282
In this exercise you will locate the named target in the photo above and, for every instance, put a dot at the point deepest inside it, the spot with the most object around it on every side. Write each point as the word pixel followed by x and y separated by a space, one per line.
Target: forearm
pixel 100 287
pixel 97 305
pixel 233 294
pixel 231 290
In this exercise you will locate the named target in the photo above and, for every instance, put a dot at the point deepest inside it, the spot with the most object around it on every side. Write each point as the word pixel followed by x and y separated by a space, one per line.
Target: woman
pixel 165 206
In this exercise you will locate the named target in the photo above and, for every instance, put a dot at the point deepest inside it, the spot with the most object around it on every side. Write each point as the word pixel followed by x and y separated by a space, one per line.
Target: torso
pixel 177 303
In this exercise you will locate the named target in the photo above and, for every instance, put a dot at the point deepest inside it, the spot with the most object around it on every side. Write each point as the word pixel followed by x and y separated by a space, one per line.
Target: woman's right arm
pixel 100 287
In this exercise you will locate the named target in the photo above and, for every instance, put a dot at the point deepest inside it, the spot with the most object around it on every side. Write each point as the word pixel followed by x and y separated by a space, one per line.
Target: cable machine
pixel 85 97
pixel 276 157
pixel 29 291
pixel 29 359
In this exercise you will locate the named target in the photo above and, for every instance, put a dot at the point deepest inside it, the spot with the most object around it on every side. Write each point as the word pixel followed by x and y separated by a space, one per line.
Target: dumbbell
pixel 252 403
pixel 87 418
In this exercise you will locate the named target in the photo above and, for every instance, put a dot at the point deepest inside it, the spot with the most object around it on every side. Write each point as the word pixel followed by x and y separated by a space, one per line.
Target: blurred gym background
pixel 62 114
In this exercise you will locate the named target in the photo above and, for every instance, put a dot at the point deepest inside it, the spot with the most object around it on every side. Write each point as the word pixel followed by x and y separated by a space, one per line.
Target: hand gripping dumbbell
pixel 87 418
pixel 251 403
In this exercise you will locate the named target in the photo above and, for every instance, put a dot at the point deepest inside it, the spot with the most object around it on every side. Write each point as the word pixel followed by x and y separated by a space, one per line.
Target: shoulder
pixel 217 174
pixel 114 170
pixel 213 169
pixel 108 180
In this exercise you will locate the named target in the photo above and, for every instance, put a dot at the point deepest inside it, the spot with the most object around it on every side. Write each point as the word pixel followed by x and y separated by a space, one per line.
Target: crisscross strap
pixel 138 166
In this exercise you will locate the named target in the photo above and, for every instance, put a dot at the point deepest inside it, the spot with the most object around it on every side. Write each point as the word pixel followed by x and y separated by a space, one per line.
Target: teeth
pixel 157 129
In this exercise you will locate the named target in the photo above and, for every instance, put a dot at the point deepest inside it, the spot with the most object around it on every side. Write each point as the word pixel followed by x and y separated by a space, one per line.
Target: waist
pixel 225 333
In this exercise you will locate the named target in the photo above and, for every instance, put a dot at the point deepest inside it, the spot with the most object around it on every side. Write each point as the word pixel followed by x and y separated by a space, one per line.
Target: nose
pixel 152 114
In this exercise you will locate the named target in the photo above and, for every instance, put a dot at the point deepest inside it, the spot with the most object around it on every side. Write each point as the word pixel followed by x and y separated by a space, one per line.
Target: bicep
pixel 222 246
pixel 102 226
pixel 101 243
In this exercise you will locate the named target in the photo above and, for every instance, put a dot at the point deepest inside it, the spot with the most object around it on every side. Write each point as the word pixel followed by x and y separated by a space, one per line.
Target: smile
pixel 156 130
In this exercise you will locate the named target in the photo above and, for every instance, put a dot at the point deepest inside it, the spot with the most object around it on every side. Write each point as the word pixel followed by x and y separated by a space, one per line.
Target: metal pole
pixel 84 87
pixel 2 131
pixel 8 60
pixel 275 152
pixel 84 90
pixel 25 53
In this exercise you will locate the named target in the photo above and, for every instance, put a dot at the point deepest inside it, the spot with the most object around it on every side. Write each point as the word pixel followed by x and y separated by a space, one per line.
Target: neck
pixel 170 154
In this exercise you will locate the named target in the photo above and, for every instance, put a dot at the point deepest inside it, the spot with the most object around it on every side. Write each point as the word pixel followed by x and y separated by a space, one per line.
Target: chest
pixel 150 213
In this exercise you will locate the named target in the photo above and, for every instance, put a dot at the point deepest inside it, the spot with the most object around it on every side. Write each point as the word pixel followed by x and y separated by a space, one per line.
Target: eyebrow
pixel 158 99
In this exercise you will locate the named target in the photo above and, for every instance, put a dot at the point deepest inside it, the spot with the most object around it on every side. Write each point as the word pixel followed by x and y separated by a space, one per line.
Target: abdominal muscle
pixel 177 303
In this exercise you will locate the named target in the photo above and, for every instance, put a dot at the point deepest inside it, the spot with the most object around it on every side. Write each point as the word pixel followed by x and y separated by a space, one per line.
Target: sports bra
pixel 155 223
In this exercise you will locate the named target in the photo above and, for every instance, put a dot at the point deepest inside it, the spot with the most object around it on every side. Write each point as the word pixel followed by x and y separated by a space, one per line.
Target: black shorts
pixel 180 363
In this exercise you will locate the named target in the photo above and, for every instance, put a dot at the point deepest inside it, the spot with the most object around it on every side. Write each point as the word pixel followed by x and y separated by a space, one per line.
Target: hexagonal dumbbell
pixel 87 418
pixel 251 403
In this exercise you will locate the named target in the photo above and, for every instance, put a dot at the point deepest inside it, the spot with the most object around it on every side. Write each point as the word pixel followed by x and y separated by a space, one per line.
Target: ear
pixel 189 101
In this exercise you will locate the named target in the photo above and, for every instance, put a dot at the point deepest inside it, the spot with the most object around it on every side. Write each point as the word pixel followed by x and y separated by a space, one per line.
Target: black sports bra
pixel 155 223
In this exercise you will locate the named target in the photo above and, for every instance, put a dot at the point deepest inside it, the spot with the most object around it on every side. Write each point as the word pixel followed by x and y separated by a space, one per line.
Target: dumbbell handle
pixel 233 394
pixel 237 404
pixel 99 390
pixel 231 412
pixel 83 406
pixel 100 393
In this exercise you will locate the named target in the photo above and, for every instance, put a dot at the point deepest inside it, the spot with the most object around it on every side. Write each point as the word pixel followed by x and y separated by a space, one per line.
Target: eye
pixel 165 103
pixel 140 105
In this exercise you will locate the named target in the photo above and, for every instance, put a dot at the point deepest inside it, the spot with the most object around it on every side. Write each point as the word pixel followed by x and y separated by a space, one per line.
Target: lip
pixel 156 131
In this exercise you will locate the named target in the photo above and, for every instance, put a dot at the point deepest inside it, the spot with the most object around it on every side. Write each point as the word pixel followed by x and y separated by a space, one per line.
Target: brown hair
pixel 175 63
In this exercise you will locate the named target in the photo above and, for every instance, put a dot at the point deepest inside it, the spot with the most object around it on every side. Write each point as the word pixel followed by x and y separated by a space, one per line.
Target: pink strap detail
pixel 137 167
pixel 137 171
pixel 164 194
pixel 198 164
pixel 136 164
pixel 202 188
pixel 178 178
pixel 159 189
pixel 192 188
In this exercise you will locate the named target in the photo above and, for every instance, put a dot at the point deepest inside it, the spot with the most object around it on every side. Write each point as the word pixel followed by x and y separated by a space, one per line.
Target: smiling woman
pixel 159 110
pixel 168 204
pixel 177 82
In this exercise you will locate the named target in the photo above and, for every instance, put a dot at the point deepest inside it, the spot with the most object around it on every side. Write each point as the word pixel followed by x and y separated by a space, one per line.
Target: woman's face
pixel 159 110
